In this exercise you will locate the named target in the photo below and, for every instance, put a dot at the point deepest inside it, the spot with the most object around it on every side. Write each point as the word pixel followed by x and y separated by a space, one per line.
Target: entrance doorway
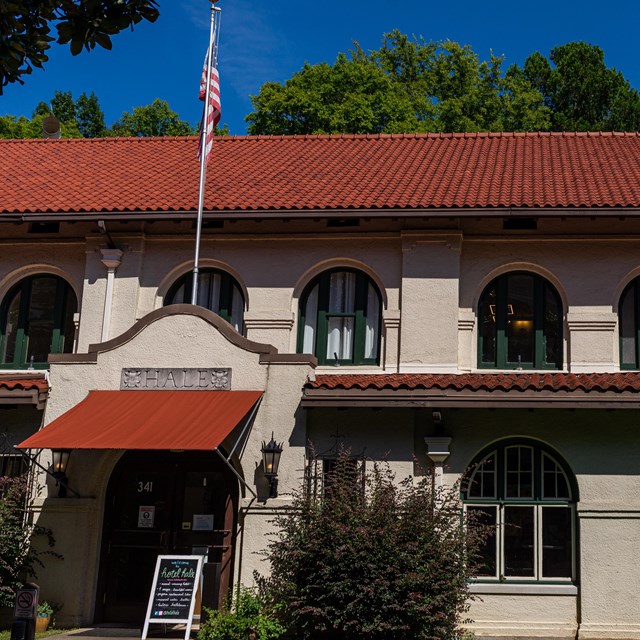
pixel 164 503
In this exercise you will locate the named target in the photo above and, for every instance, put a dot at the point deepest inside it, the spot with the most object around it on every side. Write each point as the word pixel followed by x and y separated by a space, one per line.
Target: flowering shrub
pixel 245 619
pixel 19 559
pixel 379 561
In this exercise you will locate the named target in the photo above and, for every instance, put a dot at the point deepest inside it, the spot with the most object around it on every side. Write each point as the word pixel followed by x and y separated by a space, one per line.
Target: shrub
pixel 245 619
pixel 19 558
pixel 389 561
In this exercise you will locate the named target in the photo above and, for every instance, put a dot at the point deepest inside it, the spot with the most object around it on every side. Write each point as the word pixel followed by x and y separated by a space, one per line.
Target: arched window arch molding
pixel 525 267
pixel 523 440
pixel 187 267
pixel 13 278
pixel 621 286
pixel 335 264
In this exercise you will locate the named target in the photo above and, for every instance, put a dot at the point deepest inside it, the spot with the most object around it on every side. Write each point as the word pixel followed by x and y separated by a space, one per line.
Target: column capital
pixel 111 258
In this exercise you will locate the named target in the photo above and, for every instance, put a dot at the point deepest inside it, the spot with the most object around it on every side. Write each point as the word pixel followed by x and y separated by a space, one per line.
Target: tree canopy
pixel 26 28
pixel 84 118
pixel 410 85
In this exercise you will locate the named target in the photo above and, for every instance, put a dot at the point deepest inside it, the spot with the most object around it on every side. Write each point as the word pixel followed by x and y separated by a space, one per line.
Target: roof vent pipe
pixel 50 127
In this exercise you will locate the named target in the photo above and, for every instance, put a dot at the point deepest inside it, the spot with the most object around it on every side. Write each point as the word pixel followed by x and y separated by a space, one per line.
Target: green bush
pixel 245 619
pixel 378 560
pixel 19 558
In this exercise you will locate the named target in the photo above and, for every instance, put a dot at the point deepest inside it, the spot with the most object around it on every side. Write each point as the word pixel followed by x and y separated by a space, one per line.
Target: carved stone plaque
pixel 175 379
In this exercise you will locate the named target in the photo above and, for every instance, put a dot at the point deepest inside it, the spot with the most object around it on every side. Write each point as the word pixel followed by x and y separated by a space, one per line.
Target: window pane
pixel 554 483
pixel 237 310
pixel 340 338
pixel 41 318
pixel 483 479
pixel 520 319
pixel 373 323
pixel 488 308
pixel 310 321
pixel 519 532
pixel 552 327
pixel 556 542
pixel 68 326
pixel 482 516
pixel 519 472
pixel 342 292
pixel 11 329
pixel 628 329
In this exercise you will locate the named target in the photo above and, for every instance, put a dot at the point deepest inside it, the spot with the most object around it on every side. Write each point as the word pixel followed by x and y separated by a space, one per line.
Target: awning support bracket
pixel 227 460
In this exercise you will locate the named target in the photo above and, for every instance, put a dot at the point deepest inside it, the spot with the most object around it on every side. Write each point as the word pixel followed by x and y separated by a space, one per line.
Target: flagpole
pixel 203 155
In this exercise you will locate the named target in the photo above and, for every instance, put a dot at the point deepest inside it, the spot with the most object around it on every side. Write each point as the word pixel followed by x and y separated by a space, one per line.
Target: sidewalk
pixel 127 633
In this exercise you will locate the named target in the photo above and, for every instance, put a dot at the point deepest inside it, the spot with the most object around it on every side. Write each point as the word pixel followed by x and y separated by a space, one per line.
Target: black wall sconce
pixel 60 463
pixel 271 452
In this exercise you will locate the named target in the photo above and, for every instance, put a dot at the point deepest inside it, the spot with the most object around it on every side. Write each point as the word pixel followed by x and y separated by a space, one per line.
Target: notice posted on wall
pixel 173 591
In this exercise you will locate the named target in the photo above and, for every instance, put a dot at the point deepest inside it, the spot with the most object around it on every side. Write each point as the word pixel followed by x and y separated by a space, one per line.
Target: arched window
pixel 629 326
pixel 217 291
pixel 520 324
pixel 526 494
pixel 340 318
pixel 36 319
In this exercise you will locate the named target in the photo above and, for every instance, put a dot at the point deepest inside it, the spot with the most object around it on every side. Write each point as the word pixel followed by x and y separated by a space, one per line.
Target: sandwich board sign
pixel 173 591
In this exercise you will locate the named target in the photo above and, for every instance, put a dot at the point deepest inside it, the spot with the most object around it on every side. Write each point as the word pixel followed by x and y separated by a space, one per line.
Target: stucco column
pixel 111 259
pixel 438 452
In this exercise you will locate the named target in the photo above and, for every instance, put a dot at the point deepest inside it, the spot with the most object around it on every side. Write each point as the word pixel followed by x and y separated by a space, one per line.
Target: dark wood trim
pixel 289 358
pixel 467 400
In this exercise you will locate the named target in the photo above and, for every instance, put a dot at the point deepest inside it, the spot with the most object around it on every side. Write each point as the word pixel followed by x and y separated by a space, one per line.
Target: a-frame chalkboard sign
pixel 173 592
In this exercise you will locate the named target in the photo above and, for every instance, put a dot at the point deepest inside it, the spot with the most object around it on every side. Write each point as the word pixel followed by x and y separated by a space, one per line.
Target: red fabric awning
pixel 160 420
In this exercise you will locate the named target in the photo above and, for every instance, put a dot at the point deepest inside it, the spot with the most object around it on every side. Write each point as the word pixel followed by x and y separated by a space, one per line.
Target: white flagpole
pixel 203 155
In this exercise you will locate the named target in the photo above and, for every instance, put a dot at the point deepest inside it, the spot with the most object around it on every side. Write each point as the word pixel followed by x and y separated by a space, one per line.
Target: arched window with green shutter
pixel 520 323
pixel 36 319
pixel 340 316
pixel 629 326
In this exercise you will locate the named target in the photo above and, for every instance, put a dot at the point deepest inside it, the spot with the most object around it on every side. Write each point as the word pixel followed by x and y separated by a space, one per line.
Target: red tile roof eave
pixel 337 212
pixel 621 387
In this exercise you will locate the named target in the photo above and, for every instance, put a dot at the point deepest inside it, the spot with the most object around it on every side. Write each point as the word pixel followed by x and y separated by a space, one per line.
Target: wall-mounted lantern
pixel 60 463
pixel 271 452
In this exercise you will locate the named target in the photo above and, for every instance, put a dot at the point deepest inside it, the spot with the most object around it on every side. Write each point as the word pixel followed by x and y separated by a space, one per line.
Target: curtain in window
pixel 342 295
pixel 373 322
pixel 310 321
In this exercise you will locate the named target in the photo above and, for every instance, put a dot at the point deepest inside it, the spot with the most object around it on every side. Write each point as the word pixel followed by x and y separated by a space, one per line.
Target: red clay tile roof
pixel 416 171
pixel 586 382
pixel 24 383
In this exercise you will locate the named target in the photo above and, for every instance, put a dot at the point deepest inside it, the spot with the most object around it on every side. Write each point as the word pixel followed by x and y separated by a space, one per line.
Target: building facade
pixel 465 301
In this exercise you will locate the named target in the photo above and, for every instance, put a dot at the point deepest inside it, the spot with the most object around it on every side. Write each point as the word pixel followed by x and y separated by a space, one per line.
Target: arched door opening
pixel 158 503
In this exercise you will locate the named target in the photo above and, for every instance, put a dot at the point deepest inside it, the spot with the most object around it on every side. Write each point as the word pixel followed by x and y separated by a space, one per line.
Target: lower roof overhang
pixel 147 420
pixel 24 389
pixel 475 391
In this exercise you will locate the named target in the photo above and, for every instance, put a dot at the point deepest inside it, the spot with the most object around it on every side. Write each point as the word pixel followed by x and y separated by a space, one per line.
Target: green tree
pixel 22 127
pixel 155 119
pixel 406 86
pixel 582 92
pixel 389 562
pixel 26 28
pixel 90 117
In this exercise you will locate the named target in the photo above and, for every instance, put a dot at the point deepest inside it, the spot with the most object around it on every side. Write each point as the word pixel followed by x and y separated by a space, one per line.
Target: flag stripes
pixel 212 108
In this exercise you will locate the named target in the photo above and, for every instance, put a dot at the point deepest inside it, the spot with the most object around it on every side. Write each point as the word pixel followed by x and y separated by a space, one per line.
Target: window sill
pixel 515 588
pixel 351 368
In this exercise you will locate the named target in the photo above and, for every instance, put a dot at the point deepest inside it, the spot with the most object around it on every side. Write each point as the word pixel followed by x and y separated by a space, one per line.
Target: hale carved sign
pixel 172 379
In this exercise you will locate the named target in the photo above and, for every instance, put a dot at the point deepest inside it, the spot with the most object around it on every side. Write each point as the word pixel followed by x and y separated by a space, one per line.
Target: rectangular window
pixel 487 518
pixel 519 536
pixel 12 466
pixel 556 544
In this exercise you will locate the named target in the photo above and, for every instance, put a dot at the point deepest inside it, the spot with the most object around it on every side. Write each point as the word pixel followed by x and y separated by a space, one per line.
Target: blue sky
pixel 267 41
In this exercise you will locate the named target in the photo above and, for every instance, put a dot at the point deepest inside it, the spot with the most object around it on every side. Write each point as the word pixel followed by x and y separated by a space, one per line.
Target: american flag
pixel 213 108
